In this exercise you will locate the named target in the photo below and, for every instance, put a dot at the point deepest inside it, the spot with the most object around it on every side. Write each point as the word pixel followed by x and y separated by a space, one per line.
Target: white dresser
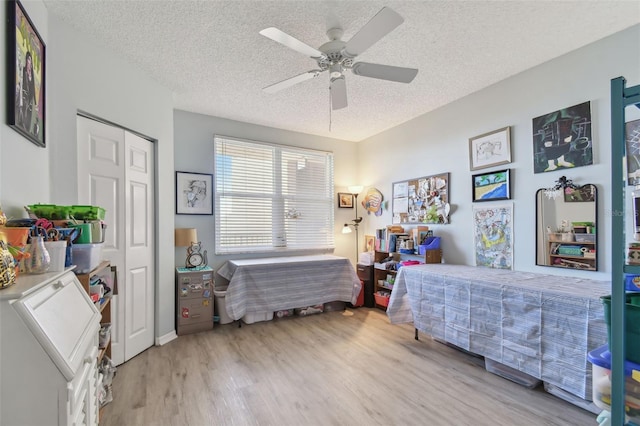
pixel 48 347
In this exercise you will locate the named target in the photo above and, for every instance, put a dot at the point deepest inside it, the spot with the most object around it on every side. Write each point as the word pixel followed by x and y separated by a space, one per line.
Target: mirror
pixel 566 225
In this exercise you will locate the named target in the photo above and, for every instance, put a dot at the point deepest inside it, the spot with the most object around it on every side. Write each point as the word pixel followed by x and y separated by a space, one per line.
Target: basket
pixel 382 299
pixel 570 250
pixel 585 238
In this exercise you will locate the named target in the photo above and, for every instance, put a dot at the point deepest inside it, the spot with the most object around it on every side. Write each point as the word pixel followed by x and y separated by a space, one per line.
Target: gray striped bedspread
pixel 277 283
pixel 542 325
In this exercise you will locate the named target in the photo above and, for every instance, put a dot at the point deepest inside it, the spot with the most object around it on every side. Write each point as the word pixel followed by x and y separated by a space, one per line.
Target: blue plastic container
pixel 632 282
pixel 600 359
pixel 431 243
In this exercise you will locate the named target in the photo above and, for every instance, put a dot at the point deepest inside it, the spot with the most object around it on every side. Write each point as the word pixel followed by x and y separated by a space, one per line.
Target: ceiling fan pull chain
pixel 330 109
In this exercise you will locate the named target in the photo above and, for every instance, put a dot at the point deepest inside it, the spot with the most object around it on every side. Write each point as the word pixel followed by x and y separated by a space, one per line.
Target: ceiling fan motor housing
pixel 334 60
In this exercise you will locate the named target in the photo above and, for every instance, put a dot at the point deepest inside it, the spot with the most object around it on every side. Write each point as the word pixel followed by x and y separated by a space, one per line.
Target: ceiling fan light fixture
pixel 335 70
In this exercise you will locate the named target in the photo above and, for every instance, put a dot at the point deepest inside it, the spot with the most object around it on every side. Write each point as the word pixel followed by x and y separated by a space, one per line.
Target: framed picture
pixel 585 193
pixel 490 149
pixel 369 243
pixel 562 139
pixel 493 235
pixel 491 186
pixel 632 139
pixel 345 200
pixel 422 200
pixel 26 76
pixel 194 193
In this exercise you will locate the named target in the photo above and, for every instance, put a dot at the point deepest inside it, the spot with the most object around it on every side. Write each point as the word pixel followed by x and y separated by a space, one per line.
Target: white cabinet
pixel 48 348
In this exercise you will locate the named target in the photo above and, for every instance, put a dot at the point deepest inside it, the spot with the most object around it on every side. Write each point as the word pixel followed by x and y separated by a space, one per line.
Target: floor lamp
pixel 346 229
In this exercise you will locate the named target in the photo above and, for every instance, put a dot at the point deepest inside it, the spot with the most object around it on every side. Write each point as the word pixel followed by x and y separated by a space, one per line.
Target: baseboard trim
pixel 163 340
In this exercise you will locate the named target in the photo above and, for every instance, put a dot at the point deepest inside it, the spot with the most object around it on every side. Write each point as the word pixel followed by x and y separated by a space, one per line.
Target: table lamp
pixel 185 237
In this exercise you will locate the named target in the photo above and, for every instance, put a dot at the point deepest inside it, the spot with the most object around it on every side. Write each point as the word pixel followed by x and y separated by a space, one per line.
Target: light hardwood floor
pixel 335 368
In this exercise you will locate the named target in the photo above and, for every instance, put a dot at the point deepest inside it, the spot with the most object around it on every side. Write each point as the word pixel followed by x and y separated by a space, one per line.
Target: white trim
pixel 163 340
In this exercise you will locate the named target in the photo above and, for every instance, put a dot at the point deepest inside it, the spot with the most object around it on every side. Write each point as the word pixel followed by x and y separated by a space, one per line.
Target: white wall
pixel 83 76
pixel 438 142
pixel 194 153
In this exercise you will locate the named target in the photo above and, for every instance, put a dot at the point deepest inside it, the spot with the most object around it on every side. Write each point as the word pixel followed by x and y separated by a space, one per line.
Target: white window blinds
pixel 271 197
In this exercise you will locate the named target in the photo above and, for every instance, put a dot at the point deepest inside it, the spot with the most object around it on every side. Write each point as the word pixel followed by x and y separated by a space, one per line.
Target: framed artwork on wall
pixel 345 200
pixel 369 243
pixel 194 193
pixel 490 149
pixel 562 139
pixel 422 200
pixel 26 76
pixel 491 186
pixel 493 235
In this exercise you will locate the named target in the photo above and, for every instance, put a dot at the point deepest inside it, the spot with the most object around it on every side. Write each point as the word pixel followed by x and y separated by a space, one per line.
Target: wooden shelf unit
pixel 381 275
pixel 102 269
pixel 430 256
pixel 571 261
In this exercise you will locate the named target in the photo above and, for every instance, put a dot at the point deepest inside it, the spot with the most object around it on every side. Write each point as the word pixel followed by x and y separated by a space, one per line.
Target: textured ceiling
pixel 212 57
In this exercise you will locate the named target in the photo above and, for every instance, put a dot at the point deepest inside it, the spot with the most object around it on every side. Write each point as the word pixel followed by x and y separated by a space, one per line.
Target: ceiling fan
pixel 337 56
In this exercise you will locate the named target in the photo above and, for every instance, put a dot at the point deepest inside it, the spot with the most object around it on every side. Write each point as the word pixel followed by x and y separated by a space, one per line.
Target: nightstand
pixel 194 299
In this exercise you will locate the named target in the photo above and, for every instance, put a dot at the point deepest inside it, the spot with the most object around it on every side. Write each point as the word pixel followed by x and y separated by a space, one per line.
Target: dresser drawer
pixel 194 285
pixel 194 311
pixel 195 291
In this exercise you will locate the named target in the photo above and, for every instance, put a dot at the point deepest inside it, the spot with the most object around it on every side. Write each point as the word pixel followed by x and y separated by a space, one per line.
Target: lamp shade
pixel 355 189
pixel 185 236
pixel 346 229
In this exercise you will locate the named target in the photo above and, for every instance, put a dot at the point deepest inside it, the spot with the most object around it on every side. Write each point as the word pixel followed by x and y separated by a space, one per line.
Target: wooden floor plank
pixel 336 368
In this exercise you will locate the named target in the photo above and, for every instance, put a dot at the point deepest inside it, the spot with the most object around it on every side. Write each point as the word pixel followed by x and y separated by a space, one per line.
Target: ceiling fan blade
pixel 338 93
pixel 384 72
pixel 291 42
pixel 379 26
pixel 291 81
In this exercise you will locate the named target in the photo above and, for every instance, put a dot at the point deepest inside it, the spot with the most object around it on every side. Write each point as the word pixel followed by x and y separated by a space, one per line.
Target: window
pixel 271 197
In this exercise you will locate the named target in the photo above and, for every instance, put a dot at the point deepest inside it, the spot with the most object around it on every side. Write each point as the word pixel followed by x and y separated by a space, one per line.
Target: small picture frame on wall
pixel 490 149
pixel 345 200
pixel 491 186
pixel 194 193
pixel 26 76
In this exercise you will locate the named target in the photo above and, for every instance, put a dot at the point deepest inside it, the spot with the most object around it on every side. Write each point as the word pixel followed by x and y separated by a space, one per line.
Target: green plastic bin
pixel 631 326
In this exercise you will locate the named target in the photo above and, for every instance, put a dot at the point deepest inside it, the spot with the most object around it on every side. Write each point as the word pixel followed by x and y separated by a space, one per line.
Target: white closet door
pixel 139 311
pixel 111 166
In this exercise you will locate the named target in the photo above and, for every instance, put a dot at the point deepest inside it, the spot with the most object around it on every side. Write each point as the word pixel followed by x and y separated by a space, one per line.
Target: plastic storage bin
pixel 250 318
pixel 57 253
pixel 585 238
pixel 382 299
pixel 600 359
pixel 86 257
pixel 511 373
pixel 631 282
pixel 431 243
pixel 309 310
pixel 87 212
pixel 570 250
pixel 50 211
pixel 631 327
pixel 335 306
